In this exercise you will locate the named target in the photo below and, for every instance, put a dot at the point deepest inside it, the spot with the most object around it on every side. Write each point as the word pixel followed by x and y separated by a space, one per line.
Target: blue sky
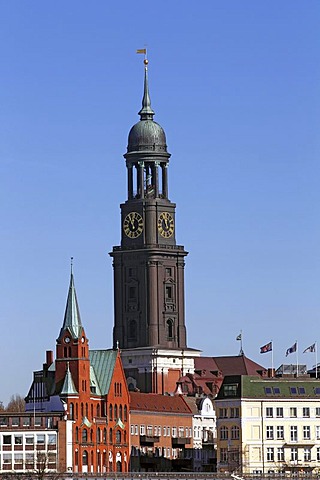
pixel 236 87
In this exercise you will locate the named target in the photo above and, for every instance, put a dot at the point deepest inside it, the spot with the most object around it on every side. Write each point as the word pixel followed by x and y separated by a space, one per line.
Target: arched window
pixel 110 435
pixel 170 328
pixel 77 434
pixel 71 413
pixel 98 435
pixel 125 413
pixel 110 412
pixel 104 435
pixel 98 410
pixel 120 412
pixel 91 435
pixel 76 457
pixel 84 457
pixel 118 437
pixel 115 412
pixel 235 433
pixel 84 435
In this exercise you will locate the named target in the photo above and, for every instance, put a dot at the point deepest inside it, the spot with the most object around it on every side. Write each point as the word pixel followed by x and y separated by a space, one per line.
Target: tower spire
pixel 72 320
pixel 146 112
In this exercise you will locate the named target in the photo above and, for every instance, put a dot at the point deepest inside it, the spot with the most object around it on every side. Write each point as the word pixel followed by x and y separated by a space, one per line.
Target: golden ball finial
pixel 146 61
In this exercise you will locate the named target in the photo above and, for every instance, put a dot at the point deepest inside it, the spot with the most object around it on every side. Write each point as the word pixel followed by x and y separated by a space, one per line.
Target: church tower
pixel 149 265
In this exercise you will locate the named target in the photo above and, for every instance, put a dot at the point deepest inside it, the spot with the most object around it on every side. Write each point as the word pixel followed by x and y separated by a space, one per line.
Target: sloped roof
pixel 193 404
pixel 152 402
pixel 68 387
pixel 103 362
pixel 230 365
pixel 72 320
pixel 272 388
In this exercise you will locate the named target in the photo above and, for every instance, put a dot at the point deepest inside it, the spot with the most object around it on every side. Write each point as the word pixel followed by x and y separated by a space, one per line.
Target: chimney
pixel 49 358
pixel 271 373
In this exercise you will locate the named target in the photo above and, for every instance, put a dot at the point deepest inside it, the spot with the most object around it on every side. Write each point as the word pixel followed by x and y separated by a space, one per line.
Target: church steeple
pixel 72 345
pixel 146 112
pixel 149 265
pixel 72 320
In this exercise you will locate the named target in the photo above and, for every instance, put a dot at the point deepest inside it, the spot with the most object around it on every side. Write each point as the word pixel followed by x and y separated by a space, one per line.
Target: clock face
pixel 67 340
pixel 133 225
pixel 165 224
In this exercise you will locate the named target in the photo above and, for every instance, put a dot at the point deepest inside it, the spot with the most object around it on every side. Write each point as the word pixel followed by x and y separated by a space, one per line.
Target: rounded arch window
pixel 85 457
pixel 170 328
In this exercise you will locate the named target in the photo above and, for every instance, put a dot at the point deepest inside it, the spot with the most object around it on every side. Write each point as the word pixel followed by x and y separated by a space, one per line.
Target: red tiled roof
pixel 233 365
pixel 153 402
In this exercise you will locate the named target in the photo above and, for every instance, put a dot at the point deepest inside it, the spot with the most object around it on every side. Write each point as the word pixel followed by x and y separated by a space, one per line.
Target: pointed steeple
pixel 72 321
pixel 68 387
pixel 146 112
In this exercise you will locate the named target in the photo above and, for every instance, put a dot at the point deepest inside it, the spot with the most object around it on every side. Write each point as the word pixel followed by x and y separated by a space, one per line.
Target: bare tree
pixel 16 404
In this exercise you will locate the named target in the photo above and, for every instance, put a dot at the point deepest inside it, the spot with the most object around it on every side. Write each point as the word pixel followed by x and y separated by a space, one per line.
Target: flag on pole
pixel 291 349
pixel 310 349
pixel 239 337
pixel 266 348
pixel 142 50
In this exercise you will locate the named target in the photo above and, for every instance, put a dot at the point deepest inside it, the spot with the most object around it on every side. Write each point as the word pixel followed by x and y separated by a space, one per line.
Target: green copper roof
pixel 72 320
pixel 94 384
pixel 103 362
pixel 147 135
pixel 146 112
pixel 68 387
pixel 246 386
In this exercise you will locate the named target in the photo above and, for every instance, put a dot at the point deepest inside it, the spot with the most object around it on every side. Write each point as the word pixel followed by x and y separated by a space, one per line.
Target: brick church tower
pixel 89 387
pixel 149 325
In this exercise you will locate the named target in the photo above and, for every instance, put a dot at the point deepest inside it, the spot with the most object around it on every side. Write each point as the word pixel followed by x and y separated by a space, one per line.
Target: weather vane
pixel 143 51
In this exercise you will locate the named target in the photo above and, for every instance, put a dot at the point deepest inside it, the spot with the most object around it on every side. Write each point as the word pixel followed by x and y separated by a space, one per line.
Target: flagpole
pixel 272 357
pixel 241 351
pixel 297 358
pixel 316 348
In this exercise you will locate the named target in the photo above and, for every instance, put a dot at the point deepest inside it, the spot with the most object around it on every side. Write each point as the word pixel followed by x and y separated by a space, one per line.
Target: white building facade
pixel 269 426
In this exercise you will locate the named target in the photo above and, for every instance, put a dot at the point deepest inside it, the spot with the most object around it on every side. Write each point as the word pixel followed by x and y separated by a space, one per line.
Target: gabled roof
pixel 72 321
pixel 103 363
pixel 152 402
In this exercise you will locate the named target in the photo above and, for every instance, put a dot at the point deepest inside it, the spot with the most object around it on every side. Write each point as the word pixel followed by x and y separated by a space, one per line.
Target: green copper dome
pixel 146 135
